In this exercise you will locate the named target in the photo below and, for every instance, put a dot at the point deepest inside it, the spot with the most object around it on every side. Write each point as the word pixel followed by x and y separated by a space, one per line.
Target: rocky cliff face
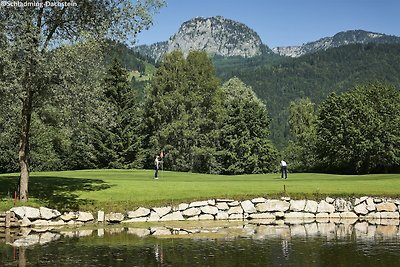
pixel 215 35
pixel 339 39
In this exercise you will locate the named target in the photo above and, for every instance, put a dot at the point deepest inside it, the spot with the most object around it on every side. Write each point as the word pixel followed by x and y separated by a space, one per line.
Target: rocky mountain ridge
pixel 215 35
pixel 228 38
pixel 339 39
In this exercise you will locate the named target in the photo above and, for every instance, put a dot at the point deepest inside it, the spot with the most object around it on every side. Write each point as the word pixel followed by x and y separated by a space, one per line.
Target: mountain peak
pixel 215 35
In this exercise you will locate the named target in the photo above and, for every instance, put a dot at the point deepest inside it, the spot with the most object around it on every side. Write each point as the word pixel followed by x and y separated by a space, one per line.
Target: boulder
pixel 162 211
pixel 114 217
pixel 329 200
pixel 48 214
pixel 248 206
pixel 209 210
pixel 236 210
pixel 183 206
pixel 233 203
pixel 32 213
pixel 361 208
pixel 140 212
pixel 324 206
pixel 174 216
pixel 19 212
pixel 262 207
pixel 341 205
pixel 191 212
pixel 297 205
pixel 222 206
pixel 311 206
pixel 85 217
pixel 70 216
pixel 153 217
pixel 277 205
pixel 386 206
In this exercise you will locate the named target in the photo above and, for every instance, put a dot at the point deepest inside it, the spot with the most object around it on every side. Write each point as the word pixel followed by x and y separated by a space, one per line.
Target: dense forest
pixel 223 115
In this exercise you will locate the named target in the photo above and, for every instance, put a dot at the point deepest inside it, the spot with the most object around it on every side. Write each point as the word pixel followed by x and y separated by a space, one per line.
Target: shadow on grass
pixel 60 193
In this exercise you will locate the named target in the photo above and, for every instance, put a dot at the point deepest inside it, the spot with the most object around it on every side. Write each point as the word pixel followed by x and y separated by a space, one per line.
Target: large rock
pixel 19 212
pixel 323 207
pixel 311 206
pixel 277 205
pixel 248 206
pixel 386 206
pixel 162 211
pixel 342 205
pixel 209 210
pixel 262 207
pixel 174 216
pixel 297 205
pixel 85 217
pixel 48 214
pixel 69 216
pixel 361 208
pixel 235 210
pixel 114 217
pixel 30 213
pixel 191 212
pixel 222 206
pixel 140 212
pixel 153 217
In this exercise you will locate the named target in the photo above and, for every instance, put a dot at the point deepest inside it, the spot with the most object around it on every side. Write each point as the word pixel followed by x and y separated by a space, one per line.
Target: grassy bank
pixel 120 190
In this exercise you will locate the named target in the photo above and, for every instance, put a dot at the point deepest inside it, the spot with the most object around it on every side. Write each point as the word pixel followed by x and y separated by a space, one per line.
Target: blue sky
pixel 282 22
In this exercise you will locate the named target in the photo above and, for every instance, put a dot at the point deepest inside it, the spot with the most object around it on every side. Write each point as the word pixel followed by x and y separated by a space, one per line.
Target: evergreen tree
pixel 119 142
pixel 182 113
pixel 300 151
pixel 245 135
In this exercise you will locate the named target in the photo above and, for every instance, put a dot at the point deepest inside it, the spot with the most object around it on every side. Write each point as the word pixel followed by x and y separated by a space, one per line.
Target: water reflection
pixel 209 244
pixel 215 229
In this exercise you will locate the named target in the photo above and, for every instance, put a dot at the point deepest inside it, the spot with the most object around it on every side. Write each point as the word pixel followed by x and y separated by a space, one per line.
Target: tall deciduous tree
pixel 28 34
pixel 359 131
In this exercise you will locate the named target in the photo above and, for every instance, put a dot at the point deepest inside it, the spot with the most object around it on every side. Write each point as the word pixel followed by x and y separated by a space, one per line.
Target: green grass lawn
pixel 121 190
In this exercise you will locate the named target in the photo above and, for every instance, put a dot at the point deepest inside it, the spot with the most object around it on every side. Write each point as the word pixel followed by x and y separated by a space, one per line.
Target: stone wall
pixel 261 210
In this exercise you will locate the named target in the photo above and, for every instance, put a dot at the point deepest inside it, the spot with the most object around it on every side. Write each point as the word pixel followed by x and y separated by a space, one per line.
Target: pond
pixel 209 244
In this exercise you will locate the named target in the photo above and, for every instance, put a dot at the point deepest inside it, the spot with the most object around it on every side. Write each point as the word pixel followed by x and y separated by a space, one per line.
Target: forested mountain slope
pixel 282 80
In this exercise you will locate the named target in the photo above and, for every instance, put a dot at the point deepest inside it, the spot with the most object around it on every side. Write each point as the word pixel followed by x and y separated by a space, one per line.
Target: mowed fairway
pixel 126 189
